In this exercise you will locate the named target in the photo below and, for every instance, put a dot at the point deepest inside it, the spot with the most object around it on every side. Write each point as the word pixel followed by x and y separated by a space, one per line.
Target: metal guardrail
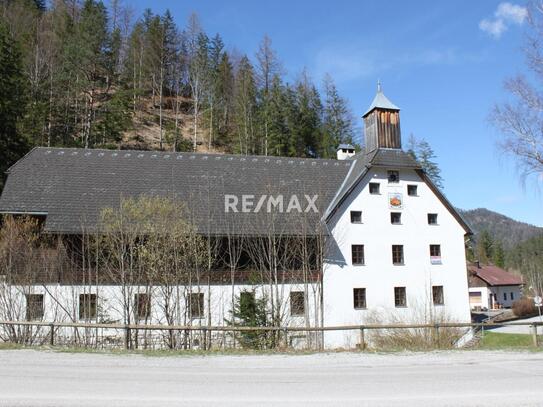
pixel 205 330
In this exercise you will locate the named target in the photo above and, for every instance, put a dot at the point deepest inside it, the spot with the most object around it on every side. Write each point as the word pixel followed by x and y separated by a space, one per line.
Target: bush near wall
pixel 524 307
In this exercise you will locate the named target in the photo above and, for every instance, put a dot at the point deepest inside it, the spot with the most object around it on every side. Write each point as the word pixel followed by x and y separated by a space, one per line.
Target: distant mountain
pixel 501 227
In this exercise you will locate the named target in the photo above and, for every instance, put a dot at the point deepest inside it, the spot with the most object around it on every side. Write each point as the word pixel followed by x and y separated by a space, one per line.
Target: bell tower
pixel 382 123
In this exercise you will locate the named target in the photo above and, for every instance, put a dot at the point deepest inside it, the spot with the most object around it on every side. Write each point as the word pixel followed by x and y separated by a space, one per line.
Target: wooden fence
pixel 77 334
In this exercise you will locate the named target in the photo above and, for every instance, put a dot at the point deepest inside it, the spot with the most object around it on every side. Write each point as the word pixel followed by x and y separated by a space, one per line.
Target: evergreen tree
pixel 421 151
pixel 13 87
pixel 245 105
pixel 498 254
pixel 307 126
pixel 251 312
pixel 337 121
pixel 485 247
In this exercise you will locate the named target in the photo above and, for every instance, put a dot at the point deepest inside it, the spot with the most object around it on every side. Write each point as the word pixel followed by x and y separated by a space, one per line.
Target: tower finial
pixel 378 86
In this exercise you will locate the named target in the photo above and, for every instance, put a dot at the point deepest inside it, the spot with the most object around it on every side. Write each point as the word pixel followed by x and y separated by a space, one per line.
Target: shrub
pixel 524 307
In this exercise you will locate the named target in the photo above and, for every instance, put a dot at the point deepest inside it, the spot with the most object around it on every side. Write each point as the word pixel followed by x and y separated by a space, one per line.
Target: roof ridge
pixel 199 153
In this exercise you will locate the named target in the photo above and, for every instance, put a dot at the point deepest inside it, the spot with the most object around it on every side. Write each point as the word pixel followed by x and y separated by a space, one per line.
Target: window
pixel 512 296
pixel 297 303
pixel 34 306
pixel 374 188
pixel 87 306
pixel 356 217
pixel 397 254
pixel 437 295
pixel 400 299
pixel 505 296
pixel 196 305
pixel 142 306
pixel 359 298
pixel 435 254
pixel 357 252
pixel 393 176
pixel 412 190
pixel 396 218
pixel 432 218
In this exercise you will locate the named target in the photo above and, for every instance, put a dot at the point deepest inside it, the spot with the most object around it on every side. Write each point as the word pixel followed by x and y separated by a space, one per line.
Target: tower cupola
pixel 382 123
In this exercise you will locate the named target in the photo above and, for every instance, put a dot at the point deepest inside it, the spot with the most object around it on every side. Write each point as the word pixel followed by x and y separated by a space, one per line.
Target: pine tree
pixel 13 88
pixel 245 105
pixel 498 255
pixel 485 247
pixel 421 151
pixel 337 121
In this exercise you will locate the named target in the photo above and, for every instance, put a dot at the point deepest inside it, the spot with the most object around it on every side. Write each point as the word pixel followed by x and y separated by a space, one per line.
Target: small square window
pixel 297 303
pixel 374 188
pixel 356 217
pixel 142 309
pixel 412 190
pixel 357 252
pixel 393 176
pixel 435 254
pixel 359 298
pixel 34 307
pixel 432 218
pixel 87 306
pixel 397 254
pixel 437 295
pixel 396 218
pixel 400 299
pixel 196 305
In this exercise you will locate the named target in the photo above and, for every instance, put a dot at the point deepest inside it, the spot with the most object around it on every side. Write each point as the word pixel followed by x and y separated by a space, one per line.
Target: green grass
pixel 494 340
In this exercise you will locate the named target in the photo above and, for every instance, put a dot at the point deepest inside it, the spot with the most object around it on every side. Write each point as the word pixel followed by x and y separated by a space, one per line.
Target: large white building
pixel 393 251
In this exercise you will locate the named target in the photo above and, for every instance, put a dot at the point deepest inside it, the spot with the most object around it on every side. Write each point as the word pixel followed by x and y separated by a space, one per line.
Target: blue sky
pixel 443 63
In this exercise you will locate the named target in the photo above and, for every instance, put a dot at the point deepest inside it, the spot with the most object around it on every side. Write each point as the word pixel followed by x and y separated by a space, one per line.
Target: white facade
pixel 488 297
pixel 378 275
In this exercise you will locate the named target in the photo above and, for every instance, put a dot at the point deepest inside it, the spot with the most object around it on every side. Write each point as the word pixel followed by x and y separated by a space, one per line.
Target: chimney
pixel 345 151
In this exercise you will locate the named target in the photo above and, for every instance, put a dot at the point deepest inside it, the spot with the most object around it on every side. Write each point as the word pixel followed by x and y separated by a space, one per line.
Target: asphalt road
pixel 457 378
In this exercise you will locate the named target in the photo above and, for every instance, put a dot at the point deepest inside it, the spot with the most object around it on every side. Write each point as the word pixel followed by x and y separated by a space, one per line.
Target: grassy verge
pixel 494 340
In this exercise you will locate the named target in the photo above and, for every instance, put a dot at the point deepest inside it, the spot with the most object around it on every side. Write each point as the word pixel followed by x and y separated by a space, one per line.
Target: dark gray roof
pixel 72 186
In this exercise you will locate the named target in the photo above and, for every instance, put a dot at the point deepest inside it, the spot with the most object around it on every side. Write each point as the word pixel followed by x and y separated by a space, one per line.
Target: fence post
pixel 436 334
pixel 126 337
pixel 362 339
pixel 534 335
pixel 52 334
pixel 285 331
pixel 204 342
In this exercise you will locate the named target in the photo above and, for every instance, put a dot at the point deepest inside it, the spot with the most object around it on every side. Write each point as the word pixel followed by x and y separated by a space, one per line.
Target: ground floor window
pixel 87 306
pixel 196 305
pixel 400 299
pixel 437 295
pixel 34 307
pixel 297 303
pixel 142 308
pixel 359 298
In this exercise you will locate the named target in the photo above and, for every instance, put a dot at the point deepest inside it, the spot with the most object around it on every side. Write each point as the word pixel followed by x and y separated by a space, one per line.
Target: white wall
pixel 379 276
pixel 503 295
pixel 61 303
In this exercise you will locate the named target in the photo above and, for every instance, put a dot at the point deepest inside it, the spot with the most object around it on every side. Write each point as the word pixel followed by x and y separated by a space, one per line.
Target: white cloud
pixel 511 12
pixel 495 28
pixel 505 14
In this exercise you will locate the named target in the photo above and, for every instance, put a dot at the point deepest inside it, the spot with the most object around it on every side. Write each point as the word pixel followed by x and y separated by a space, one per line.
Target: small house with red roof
pixel 491 287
